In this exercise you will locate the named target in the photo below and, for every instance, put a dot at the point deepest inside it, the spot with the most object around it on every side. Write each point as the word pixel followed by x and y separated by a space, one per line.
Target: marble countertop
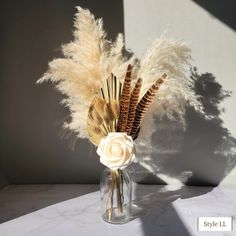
pixel 75 210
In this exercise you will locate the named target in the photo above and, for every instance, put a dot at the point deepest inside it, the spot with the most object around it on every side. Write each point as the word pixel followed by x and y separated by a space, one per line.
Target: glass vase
pixel 116 196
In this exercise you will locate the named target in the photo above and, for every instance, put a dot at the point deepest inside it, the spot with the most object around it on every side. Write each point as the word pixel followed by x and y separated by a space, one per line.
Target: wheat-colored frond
pixel 134 98
pixel 102 118
pixel 111 88
pixel 96 125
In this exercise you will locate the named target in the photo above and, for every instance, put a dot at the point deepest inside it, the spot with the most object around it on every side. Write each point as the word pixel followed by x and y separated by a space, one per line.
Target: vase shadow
pixel 153 205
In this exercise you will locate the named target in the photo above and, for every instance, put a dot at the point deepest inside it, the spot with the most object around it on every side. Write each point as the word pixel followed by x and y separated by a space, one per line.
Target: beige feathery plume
pixel 115 62
pixel 144 104
pixel 172 57
pixel 124 101
pixel 110 92
pixel 90 59
pixel 133 104
pixel 86 61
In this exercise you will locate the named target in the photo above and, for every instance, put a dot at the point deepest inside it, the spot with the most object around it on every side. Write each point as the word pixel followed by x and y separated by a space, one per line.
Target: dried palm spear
pixel 111 89
pixel 133 105
pixel 144 104
pixel 124 102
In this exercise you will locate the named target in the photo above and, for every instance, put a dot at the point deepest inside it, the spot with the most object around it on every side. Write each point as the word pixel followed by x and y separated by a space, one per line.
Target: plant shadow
pixel 202 154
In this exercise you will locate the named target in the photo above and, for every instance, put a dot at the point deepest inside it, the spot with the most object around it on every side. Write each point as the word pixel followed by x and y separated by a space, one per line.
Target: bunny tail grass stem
pixel 124 101
pixel 116 185
pixel 144 104
pixel 118 191
pixel 111 197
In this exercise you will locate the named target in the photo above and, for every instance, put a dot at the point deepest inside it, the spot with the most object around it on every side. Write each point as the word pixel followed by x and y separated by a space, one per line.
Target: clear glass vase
pixel 116 196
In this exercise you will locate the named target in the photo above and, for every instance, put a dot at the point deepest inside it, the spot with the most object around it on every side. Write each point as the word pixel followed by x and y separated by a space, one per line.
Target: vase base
pixel 116 216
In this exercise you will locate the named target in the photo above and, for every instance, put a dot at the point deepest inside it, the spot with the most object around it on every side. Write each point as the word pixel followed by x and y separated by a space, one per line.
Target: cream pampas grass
pixel 88 60
pixel 172 57
pixel 93 69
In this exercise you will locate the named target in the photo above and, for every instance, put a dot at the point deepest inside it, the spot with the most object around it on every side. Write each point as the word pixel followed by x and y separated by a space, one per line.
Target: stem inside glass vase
pixel 116 196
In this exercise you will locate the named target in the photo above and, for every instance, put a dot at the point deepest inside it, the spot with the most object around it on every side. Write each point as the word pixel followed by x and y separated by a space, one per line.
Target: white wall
pixel 213 44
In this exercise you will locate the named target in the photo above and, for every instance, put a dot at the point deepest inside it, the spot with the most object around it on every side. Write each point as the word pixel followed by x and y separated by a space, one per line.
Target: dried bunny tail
pixel 96 124
pixel 101 119
pixel 98 110
pixel 133 104
pixel 109 117
pixel 144 104
pixel 124 101
pixel 113 109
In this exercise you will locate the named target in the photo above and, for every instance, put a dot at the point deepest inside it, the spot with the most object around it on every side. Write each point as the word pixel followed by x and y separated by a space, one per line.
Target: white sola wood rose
pixel 116 150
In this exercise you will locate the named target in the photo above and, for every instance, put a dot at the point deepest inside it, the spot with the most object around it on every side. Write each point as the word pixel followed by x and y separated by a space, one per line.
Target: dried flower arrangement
pixel 109 94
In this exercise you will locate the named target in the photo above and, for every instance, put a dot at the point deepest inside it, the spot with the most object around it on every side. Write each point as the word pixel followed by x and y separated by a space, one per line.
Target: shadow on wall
pixel 19 200
pixel 223 10
pixel 31 35
pixel 202 154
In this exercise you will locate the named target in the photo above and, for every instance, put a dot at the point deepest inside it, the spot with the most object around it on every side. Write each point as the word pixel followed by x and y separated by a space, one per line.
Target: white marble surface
pixel 157 210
